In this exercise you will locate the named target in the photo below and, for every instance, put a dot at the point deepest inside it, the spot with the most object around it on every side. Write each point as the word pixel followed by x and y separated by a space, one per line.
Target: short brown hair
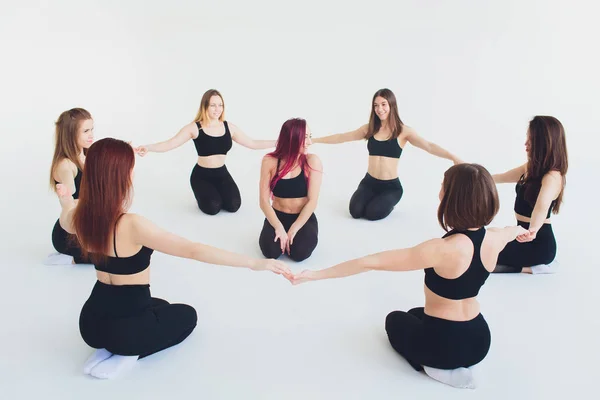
pixel 470 198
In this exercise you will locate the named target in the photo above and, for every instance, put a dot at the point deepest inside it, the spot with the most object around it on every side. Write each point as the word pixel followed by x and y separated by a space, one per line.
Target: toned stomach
pixel 141 278
pixel 453 310
pixel 289 206
pixel 214 161
pixel 383 168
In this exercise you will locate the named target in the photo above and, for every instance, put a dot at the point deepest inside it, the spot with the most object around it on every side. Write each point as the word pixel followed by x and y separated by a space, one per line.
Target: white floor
pixel 260 337
pixel 466 75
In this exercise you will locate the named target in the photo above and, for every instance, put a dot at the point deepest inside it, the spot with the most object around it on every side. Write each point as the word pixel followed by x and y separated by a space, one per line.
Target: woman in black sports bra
pixel 380 189
pixel 539 190
pixel 292 178
pixel 449 335
pixel 211 182
pixel 74 134
pixel 120 318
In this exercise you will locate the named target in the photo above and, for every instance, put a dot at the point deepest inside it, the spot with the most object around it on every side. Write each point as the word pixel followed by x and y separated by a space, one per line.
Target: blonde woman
pixel 213 136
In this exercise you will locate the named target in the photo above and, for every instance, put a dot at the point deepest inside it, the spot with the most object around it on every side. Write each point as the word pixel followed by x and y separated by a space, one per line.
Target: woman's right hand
pixel 141 150
pixel 282 235
pixel 275 266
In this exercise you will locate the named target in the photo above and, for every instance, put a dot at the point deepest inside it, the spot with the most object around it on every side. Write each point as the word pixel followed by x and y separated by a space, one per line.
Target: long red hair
pixel 105 192
pixel 290 149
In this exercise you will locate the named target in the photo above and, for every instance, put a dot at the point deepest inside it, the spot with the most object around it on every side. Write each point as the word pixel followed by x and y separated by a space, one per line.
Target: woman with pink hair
pixel 291 178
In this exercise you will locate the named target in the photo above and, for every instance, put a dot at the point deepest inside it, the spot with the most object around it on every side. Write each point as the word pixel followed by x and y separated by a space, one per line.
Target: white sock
pixel 459 378
pixel 96 358
pixel 59 259
pixel 113 366
pixel 545 268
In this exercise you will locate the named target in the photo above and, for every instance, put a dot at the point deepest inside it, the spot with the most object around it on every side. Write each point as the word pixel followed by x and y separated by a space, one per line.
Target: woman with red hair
pixel 121 319
pixel 292 179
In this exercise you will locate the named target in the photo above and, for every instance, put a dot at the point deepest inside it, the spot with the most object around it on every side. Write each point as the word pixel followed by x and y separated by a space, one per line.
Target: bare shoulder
pixel 458 244
pixel 269 162
pixel 232 126
pixel 66 164
pixel 314 161
pixel 495 238
pixel 408 131
pixel 63 167
pixel 553 176
pixel 191 128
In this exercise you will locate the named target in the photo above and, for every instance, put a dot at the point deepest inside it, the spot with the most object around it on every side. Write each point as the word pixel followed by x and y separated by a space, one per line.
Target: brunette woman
pixel 540 185
pixel 74 134
pixel 386 135
pixel 449 335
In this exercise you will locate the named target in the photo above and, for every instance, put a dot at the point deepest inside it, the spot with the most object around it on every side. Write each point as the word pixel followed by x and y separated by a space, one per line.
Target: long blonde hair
pixel 202 115
pixel 65 144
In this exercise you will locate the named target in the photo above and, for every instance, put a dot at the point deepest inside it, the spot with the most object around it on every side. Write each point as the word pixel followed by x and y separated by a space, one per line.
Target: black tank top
pixel 522 206
pixel 77 183
pixel 207 145
pixel 387 148
pixel 126 265
pixel 468 284
pixel 291 188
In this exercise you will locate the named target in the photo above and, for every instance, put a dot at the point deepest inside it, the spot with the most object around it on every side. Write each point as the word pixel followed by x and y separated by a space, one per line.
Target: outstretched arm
pixel 551 187
pixel 240 137
pixel 431 253
pixel 511 176
pixel 337 138
pixel 430 147
pixel 186 133
pixel 148 234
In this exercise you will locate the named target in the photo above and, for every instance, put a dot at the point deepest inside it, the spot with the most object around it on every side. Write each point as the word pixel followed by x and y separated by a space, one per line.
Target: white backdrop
pixel 468 75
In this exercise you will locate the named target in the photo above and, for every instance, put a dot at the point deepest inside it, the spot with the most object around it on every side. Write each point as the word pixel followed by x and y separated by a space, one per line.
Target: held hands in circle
pixel 526 236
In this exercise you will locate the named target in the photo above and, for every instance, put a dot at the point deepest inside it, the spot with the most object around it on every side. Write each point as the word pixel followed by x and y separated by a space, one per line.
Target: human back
pixel 468 203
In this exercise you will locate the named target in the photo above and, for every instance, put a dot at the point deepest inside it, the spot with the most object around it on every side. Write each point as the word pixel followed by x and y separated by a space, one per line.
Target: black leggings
pixel 375 199
pixel 215 189
pixel 305 241
pixel 541 250
pixel 65 243
pixel 126 320
pixel 438 343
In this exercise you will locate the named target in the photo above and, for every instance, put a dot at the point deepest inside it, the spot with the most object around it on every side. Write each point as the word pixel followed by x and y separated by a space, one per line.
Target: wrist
pixel 253 263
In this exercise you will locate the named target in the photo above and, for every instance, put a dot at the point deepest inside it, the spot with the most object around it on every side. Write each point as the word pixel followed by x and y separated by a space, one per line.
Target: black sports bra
pixel 291 188
pixel 207 145
pixel 125 265
pixel 387 148
pixel 468 284
pixel 77 183
pixel 522 206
